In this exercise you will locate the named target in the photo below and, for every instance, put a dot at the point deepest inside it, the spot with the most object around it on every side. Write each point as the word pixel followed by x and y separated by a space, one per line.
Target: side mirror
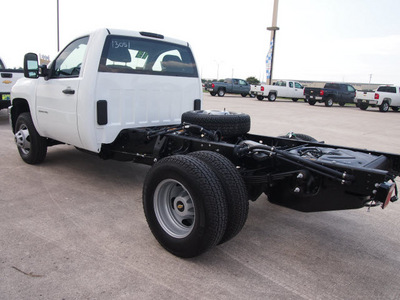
pixel 31 66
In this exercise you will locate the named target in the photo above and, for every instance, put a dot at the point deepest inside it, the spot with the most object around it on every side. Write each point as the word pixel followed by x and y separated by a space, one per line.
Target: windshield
pixel 123 54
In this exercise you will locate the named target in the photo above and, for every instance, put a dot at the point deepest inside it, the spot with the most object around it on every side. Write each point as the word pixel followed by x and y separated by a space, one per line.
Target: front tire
pixel 31 146
pixel 185 206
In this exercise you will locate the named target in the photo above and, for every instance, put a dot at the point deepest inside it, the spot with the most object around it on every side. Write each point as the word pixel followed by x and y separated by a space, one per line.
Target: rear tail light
pixel 212 85
pixel 262 89
pixel 376 97
pixel 321 92
pixel 386 193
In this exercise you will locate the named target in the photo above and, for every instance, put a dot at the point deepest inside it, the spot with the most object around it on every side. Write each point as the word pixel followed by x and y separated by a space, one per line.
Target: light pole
pixel 58 26
pixel 273 30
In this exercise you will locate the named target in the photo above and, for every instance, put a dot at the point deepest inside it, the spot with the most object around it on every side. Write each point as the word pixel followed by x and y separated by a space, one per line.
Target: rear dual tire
pixel 188 202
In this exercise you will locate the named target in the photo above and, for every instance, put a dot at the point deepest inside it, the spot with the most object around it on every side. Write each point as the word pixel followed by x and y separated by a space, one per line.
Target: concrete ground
pixel 73 227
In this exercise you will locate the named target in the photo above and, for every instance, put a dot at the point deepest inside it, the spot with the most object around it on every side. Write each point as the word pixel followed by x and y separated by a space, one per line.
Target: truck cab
pixel 105 82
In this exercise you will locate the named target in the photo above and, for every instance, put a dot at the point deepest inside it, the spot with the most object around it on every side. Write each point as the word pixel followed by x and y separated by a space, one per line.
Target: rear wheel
pixel 342 103
pixel 311 102
pixel 31 146
pixel 329 102
pixel 185 206
pixel 384 107
pixel 260 98
pixel 272 97
pixel 234 188
pixel 213 93
pixel 363 106
pixel 221 92
pixel 395 108
pixel 295 99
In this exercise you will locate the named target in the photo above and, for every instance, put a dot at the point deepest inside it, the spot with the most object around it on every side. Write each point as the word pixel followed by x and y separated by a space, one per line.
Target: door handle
pixel 69 91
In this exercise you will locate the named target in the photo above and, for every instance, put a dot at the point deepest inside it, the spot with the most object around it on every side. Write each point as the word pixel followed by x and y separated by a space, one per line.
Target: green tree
pixel 252 80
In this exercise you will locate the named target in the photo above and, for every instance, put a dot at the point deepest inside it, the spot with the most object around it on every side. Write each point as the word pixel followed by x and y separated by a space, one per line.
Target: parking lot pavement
pixel 73 227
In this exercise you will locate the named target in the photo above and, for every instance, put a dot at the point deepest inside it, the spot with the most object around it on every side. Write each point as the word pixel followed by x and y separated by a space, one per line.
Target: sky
pixel 318 40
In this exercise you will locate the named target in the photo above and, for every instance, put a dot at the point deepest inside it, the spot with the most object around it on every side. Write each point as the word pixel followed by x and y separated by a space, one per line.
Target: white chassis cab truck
pixel 136 96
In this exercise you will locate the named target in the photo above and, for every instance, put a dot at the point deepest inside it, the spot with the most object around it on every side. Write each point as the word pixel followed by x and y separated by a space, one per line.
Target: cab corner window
pixel 68 63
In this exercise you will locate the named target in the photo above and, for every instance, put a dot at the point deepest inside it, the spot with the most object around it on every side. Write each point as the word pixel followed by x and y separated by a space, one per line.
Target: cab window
pixel 350 88
pixel 122 54
pixel 68 63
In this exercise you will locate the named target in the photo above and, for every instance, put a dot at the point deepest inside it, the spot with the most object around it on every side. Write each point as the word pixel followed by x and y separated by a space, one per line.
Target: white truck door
pixel 290 90
pixel 57 97
pixel 298 90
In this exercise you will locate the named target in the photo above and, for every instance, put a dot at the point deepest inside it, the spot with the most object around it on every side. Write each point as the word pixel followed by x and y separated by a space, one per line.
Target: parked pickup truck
pixel 8 78
pixel 136 96
pixel 282 89
pixel 384 97
pixel 341 93
pixel 230 86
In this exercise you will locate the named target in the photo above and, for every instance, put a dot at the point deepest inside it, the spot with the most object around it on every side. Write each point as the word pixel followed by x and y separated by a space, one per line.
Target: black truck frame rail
pixel 303 175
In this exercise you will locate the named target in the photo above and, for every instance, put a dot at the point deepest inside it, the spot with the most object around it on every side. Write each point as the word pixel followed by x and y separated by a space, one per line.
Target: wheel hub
pixel 174 208
pixel 22 139
pixel 183 206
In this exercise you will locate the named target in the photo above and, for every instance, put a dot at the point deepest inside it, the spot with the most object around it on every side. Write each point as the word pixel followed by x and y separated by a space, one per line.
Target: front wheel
pixel 185 206
pixel 272 97
pixel 260 98
pixel 31 146
pixel 213 93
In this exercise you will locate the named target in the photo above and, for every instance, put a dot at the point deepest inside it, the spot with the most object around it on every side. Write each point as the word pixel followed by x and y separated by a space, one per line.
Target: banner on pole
pixel 269 58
